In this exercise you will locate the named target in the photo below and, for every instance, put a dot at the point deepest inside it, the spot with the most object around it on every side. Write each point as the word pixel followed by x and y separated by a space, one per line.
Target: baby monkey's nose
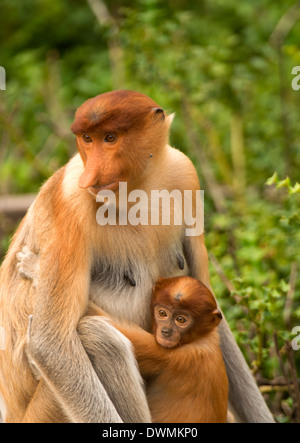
pixel 166 332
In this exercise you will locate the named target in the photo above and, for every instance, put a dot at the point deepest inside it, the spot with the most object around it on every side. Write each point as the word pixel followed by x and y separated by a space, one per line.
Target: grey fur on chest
pixel 124 289
pixel 118 275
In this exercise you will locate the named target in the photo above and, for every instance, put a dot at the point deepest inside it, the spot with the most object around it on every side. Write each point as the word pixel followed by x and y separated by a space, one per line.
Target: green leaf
pixel 286 183
pixel 272 180
pixel 295 189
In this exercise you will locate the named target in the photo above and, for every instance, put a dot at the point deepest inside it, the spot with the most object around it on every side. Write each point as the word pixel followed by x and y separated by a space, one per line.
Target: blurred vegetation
pixel 224 67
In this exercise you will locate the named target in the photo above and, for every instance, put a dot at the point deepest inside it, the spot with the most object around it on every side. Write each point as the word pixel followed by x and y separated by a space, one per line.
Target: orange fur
pixel 188 383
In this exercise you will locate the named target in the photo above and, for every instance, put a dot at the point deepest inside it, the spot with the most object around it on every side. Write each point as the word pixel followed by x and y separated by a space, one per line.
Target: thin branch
pixel 266 389
pixel 281 363
pixel 215 189
pixel 115 49
pixel 278 381
pixel 215 146
pixel 101 11
pixel 229 285
pixel 238 154
pixel 285 25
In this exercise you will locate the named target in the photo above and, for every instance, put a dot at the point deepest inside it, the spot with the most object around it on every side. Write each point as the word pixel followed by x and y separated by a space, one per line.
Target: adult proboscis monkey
pixel 122 136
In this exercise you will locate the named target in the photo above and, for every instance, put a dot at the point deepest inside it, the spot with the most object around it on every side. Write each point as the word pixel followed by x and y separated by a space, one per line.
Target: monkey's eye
pixel 110 138
pixel 162 313
pixel 181 319
pixel 87 138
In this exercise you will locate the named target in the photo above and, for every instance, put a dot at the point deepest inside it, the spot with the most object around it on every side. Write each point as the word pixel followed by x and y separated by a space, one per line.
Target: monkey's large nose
pixel 91 173
pixel 166 332
pixel 88 179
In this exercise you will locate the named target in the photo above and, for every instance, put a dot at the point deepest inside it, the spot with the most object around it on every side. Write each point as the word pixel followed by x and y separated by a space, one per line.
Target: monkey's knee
pixel 102 340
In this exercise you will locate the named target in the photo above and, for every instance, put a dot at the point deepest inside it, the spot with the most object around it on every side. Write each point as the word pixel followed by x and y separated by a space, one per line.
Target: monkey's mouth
pixel 111 186
pixel 166 342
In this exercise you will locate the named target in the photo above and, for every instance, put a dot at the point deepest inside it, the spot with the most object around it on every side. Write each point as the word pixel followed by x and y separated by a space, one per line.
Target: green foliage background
pixel 224 67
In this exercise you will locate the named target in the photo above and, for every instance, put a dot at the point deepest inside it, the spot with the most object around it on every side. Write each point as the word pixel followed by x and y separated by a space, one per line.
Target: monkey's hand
pixel 28 265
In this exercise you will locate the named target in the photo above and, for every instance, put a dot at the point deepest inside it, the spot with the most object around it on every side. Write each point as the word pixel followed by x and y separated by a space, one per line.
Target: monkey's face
pixel 171 325
pixel 100 153
pixel 184 310
pixel 118 134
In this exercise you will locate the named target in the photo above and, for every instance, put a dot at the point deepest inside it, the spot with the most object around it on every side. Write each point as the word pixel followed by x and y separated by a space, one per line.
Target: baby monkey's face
pixel 171 325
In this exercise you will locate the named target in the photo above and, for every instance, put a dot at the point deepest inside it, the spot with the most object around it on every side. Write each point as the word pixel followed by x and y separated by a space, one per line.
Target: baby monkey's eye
pixel 87 138
pixel 181 319
pixel 162 313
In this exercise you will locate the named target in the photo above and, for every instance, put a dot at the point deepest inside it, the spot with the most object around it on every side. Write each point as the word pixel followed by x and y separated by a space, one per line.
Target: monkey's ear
pixel 159 112
pixel 169 119
pixel 217 316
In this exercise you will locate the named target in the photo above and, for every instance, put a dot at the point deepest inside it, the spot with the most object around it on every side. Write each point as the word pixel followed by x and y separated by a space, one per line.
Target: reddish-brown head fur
pixel 116 134
pixel 190 296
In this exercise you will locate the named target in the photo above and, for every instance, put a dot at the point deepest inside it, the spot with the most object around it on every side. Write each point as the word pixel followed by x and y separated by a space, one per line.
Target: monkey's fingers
pixel 22 255
pixel 25 269
pixel 23 272
pixel 25 251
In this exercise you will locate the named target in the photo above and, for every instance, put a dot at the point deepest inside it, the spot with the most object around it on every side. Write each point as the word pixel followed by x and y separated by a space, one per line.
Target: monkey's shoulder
pixel 51 189
pixel 181 170
pixel 60 197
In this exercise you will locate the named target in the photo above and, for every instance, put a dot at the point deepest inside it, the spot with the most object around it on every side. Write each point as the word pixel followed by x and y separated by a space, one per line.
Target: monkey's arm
pixel 244 394
pixel 60 300
pixel 53 343
pixel 149 354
